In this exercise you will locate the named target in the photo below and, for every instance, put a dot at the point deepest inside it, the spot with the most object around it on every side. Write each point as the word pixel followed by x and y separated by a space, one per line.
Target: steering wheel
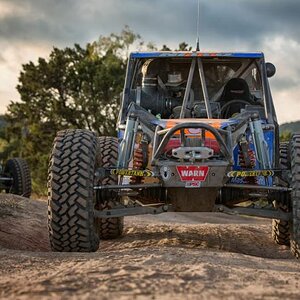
pixel 225 108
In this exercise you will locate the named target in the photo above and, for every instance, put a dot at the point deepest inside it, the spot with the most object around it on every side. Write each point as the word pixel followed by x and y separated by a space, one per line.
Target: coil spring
pixel 251 155
pixel 138 159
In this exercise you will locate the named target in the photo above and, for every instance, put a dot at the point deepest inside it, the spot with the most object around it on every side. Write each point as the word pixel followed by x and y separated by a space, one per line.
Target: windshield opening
pixel 159 85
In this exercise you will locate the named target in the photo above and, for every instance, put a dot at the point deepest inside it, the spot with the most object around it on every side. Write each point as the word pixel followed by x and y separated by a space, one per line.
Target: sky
pixel 30 28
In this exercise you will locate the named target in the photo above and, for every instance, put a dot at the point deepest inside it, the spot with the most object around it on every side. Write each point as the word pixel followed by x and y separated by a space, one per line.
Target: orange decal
pixel 194 132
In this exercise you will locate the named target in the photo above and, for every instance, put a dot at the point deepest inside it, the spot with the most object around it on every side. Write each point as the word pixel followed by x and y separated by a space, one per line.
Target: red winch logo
pixel 192 173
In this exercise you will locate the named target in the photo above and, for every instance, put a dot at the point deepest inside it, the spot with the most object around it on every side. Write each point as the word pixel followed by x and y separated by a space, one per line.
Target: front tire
pixel 70 192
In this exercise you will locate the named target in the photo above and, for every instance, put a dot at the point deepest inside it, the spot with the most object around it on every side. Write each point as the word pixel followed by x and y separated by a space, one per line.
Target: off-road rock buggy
pixel 196 132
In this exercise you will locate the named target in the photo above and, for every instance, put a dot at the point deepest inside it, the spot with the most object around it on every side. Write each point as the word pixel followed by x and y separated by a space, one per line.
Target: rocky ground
pixel 170 256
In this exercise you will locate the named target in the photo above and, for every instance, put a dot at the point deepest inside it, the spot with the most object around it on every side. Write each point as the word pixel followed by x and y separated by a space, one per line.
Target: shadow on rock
pixel 245 239
pixel 23 223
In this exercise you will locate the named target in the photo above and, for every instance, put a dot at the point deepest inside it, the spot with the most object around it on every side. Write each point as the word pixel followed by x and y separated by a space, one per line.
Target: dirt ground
pixel 170 256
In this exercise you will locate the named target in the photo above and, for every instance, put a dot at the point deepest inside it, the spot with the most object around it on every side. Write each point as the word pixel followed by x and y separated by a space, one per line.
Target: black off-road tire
pixel 18 169
pixel 107 156
pixel 281 228
pixel 295 194
pixel 71 201
pixel 281 232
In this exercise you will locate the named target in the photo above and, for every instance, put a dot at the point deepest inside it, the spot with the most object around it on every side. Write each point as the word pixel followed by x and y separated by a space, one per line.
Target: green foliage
pixel 68 89
pixel 285 136
pixel 184 47
pixel 2 127
pixel 3 142
pixel 165 48
pixel 181 47
pixel 287 129
pixel 290 127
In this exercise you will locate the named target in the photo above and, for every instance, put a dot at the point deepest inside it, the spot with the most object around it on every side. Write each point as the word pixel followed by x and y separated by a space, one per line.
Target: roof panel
pixel 196 54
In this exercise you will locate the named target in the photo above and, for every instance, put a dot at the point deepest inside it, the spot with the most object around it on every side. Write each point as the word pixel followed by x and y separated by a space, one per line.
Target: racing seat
pixel 236 95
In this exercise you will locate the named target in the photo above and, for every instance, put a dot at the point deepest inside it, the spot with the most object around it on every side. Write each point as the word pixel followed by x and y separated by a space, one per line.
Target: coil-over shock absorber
pixel 140 158
pixel 140 162
pixel 247 158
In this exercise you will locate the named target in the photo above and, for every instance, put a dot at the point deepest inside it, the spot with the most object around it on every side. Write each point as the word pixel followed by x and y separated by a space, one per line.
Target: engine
pixel 158 98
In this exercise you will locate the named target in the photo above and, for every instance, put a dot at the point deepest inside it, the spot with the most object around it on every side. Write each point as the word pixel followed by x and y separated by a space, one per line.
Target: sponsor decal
pixel 192 173
pixel 126 172
pixel 194 130
pixel 252 173
pixel 193 184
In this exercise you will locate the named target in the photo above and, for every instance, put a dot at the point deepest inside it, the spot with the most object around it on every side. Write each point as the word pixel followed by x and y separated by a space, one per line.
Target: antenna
pixel 198 23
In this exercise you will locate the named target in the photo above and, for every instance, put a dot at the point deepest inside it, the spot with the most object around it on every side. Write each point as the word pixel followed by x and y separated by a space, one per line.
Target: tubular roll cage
pixel 159 146
pixel 198 57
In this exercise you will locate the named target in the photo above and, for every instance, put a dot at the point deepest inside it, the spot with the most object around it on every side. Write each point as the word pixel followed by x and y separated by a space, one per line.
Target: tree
pixel 3 142
pixel 165 48
pixel 184 47
pixel 74 88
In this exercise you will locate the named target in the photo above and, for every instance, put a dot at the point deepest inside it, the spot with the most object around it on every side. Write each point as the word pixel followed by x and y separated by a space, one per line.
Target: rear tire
pixel 295 194
pixel 107 156
pixel 281 232
pixel 70 192
pixel 281 228
pixel 18 169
